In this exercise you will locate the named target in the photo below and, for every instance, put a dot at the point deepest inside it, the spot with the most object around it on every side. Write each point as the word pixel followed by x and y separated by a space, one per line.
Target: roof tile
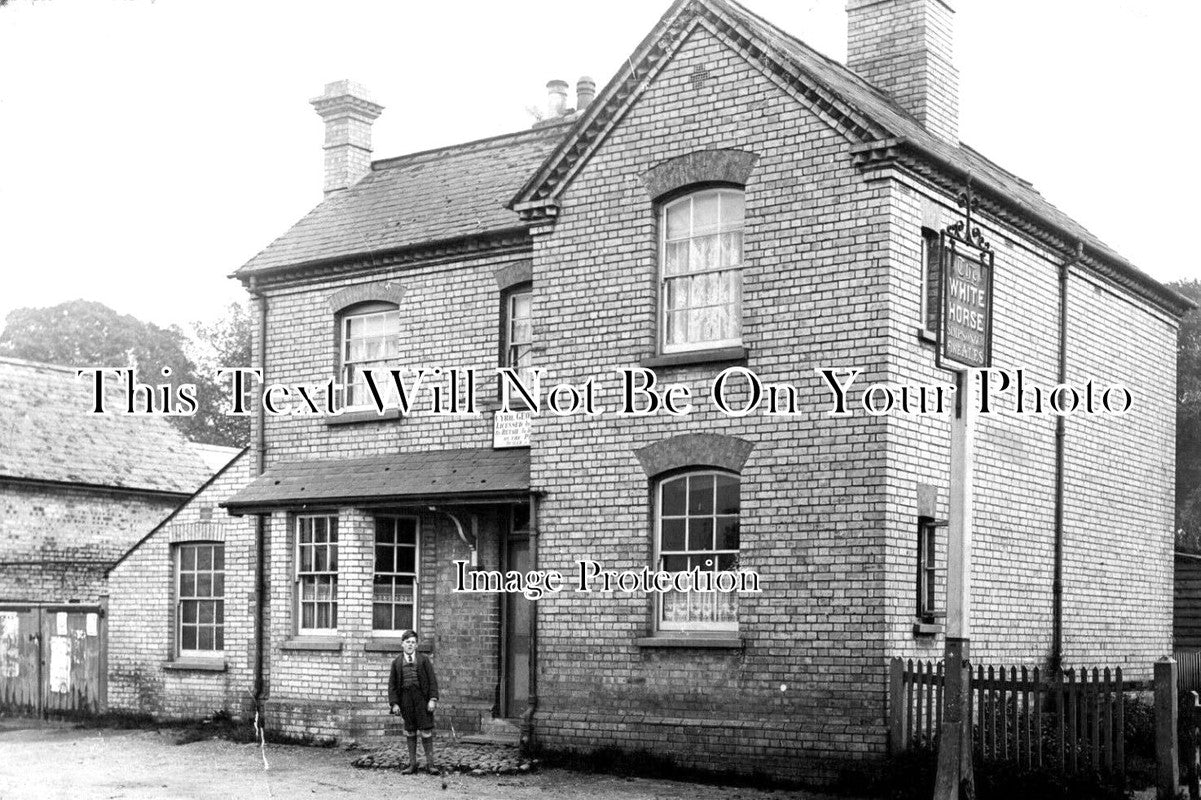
pixel 398 476
pixel 432 196
pixel 47 432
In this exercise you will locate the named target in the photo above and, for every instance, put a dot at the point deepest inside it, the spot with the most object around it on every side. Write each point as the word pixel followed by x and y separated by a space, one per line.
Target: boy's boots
pixel 412 767
pixel 430 765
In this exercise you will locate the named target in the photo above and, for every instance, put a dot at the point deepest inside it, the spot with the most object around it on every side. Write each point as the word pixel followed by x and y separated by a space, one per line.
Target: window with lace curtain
pixel 697 527
pixel 700 280
pixel 370 340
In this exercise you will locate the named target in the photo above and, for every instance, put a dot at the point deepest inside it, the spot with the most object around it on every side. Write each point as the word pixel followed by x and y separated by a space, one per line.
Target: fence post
pixel 896 716
pixel 102 656
pixel 1167 753
pixel 1190 705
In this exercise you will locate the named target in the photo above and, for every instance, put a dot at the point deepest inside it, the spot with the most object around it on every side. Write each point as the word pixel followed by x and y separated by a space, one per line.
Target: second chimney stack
pixel 585 90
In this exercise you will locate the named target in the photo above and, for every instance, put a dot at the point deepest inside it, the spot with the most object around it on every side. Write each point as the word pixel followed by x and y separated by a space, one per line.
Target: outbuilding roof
pixel 48 433
pixel 468 473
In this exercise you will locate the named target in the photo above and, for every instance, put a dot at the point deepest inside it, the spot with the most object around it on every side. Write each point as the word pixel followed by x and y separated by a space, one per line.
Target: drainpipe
pixel 260 526
pixel 528 721
pixel 473 542
pixel 1060 435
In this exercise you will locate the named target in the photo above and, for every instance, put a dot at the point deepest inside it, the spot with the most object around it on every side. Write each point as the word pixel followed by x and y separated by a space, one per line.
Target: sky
pixel 149 149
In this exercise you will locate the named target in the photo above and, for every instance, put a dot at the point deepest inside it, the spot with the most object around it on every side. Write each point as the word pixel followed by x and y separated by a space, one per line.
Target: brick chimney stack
pixel 348 111
pixel 906 48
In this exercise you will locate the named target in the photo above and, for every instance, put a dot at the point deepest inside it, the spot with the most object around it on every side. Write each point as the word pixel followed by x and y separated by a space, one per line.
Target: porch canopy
pixel 466 475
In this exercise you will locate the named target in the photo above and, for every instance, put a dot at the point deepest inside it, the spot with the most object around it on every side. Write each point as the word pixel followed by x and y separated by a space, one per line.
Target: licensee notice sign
pixel 966 340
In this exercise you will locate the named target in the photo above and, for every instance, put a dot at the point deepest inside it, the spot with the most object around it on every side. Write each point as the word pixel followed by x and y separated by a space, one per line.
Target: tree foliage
pixel 84 334
pixel 1188 422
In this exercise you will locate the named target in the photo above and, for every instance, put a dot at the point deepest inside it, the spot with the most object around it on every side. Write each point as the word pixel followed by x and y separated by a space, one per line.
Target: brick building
pixel 180 595
pixel 730 198
pixel 78 489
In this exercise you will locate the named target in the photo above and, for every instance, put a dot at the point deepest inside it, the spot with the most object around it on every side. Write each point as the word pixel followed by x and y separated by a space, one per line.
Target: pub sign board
pixel 965 325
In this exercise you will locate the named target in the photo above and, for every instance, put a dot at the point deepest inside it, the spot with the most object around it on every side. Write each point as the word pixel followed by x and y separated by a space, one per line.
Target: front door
pixel 517 634
pixel 515 681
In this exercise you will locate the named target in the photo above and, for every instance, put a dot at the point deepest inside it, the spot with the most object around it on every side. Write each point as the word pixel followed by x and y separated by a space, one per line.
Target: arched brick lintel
pixel 514 274
pixel 390 292
pixel 702 166
pixel 694 450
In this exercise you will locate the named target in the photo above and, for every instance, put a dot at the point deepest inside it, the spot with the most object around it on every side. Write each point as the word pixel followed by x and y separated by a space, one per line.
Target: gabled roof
pixel 879 130
pixel 433 196
pixel 230 463
pixel 402 477
pixel 47 433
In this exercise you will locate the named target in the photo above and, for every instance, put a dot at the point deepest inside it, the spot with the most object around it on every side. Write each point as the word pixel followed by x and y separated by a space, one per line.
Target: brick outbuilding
pixel 731 198
pixel 77 489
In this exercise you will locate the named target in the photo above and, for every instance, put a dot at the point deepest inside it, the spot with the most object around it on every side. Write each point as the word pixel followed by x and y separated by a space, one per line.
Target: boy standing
pixel 413 693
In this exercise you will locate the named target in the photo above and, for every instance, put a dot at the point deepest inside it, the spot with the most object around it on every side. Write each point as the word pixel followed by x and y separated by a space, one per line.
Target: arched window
pixel 700 276
pixel 697 528
pixel 369 340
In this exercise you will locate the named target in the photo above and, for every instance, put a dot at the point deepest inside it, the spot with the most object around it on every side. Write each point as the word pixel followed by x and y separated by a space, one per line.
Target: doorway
pixel 515 617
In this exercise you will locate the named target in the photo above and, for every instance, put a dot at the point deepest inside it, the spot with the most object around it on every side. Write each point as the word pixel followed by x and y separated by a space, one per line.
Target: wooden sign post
pixel 965 343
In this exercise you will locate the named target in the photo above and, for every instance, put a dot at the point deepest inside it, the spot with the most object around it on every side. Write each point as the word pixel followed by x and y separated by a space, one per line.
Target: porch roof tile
pixel 471 472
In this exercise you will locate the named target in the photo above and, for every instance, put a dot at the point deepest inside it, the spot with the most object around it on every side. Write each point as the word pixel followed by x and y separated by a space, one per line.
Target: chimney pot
pixel 556 98
pixel 585 90
pixel 348 111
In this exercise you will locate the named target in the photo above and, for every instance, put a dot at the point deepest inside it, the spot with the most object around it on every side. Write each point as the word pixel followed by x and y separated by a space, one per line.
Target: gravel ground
pixel 45 760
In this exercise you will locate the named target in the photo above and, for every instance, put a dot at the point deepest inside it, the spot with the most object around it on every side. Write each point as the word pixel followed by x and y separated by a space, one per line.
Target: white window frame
pixel 510 341
pixel 180 598
pixel 510 297
pixel 330 571
pixel 723 228
pixel 709 626
pixel 385 312
pixel 416 573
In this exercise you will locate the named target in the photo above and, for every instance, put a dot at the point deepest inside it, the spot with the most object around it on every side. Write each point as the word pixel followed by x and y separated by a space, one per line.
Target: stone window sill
pixel 355 417
pixel 926 336
pixel 928 628
pixel 197 664
pixel 714 356
pixel 327 643
pixel 716 641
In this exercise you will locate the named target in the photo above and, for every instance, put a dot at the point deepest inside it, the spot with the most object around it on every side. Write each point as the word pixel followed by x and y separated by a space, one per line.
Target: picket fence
pixel 1072 722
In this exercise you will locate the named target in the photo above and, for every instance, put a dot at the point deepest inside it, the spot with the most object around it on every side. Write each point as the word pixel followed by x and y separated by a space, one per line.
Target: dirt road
pixel 61 761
